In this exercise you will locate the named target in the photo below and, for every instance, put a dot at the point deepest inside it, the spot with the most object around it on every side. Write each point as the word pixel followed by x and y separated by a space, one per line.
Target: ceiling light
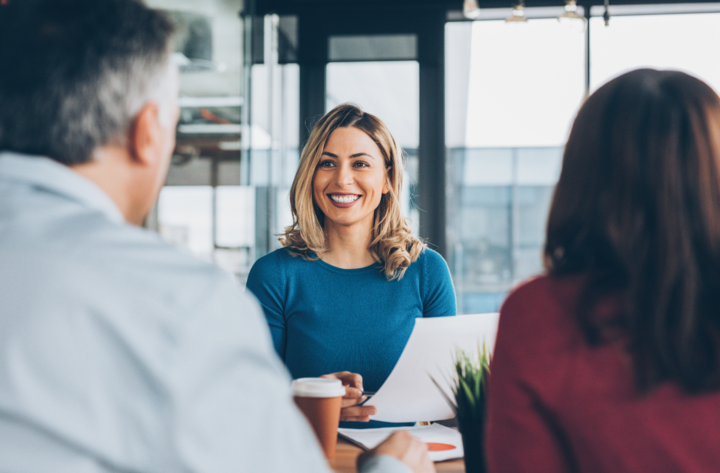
pixel 571 18
pixel 518 14
pixel 471 10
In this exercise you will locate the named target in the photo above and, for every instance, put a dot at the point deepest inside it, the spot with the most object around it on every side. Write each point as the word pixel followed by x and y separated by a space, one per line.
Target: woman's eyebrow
pixel 357 155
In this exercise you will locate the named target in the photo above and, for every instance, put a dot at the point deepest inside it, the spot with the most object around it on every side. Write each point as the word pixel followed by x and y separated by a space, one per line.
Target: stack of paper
pixel 443 442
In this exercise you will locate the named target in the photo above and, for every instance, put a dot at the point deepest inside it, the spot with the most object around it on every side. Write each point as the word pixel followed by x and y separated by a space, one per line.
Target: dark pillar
pixel 432 173
pixel 312 58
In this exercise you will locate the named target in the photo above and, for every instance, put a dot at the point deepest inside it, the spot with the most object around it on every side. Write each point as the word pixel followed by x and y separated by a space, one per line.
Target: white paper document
pixel 443 442
pixel 409 394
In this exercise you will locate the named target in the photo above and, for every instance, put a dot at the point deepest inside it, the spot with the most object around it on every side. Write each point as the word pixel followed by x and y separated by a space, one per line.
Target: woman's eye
pixel 326 164
pixel 361 164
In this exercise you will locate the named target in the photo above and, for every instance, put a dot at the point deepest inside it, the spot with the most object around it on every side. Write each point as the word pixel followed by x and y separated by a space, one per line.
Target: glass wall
pixel 511 94
pixel 225 197
pixel 203 209
pixel 275 148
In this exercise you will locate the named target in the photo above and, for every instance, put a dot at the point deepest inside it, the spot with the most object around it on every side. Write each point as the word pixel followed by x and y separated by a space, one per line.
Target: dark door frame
pixel 314 30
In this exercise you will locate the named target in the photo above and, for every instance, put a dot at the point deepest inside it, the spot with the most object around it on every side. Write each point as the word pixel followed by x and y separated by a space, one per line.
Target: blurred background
pixel 480 96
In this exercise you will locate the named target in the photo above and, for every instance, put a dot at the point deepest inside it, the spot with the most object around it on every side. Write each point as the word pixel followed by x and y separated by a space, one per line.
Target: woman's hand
pixel 353 396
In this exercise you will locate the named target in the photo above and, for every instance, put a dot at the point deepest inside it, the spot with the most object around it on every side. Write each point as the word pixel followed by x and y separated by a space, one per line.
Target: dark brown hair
pixel 637 208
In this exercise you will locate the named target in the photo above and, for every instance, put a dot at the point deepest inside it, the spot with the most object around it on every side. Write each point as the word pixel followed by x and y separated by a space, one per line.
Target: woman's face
pixel 350 179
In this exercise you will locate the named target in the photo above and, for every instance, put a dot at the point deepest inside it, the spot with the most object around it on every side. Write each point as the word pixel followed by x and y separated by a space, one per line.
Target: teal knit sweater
pixel 325 319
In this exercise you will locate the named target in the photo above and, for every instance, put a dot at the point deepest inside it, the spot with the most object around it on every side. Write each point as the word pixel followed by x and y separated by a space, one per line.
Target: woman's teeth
pixel 344 199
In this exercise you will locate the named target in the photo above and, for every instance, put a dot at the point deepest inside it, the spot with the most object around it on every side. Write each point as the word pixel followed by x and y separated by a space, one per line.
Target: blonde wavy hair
pixel 392 244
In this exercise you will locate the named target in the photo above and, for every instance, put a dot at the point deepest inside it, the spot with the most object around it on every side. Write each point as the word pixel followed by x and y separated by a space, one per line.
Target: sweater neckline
pixel 367 269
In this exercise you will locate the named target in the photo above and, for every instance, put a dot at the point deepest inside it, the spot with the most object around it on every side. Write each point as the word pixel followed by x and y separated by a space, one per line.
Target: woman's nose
pixel 345 175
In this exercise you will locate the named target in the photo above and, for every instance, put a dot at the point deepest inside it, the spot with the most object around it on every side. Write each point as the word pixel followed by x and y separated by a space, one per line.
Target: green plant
pixel 469 387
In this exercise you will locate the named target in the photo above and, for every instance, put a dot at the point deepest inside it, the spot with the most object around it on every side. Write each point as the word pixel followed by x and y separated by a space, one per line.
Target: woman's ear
pixel 386 187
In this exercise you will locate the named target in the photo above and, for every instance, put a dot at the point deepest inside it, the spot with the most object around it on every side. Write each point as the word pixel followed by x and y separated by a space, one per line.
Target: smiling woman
pixel 343 294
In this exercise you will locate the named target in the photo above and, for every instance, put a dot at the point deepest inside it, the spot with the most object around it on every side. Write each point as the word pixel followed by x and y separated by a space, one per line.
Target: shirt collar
pixel 44 173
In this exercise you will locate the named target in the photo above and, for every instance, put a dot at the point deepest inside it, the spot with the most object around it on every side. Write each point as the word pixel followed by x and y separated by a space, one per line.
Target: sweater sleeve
pixel 522 434
pixel 267 283
pixel 438 291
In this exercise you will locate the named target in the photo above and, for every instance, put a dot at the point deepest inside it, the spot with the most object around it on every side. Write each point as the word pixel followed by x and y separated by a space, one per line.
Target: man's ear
pixel 145 136
pixel 386 187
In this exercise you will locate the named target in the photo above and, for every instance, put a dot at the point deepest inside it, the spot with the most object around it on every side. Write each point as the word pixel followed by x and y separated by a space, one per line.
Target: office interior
pixel 480 95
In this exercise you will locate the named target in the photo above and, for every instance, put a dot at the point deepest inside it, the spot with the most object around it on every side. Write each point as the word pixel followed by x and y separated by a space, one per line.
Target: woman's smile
pixel 344 200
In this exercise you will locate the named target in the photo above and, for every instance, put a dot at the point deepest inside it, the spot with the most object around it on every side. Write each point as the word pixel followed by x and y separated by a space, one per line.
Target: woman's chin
pixel 344 221
pixel 341 222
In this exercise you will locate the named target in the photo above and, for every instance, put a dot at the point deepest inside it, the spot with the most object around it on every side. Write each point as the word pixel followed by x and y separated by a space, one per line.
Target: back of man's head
pixel 74 73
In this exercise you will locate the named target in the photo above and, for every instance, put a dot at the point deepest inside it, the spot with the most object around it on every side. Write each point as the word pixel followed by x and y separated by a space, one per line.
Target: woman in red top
pixel 611 361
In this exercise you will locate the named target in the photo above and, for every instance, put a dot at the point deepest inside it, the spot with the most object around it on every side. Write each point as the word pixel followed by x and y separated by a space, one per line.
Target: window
pixel 511 94
pixel 688 42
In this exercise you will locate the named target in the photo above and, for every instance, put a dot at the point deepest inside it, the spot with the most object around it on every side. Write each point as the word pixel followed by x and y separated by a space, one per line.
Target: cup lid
pixel 317 387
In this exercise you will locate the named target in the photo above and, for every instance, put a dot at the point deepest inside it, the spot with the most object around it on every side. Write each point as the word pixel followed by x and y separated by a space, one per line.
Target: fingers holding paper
pixel 357 413
pixel 353 396
pixel 353 380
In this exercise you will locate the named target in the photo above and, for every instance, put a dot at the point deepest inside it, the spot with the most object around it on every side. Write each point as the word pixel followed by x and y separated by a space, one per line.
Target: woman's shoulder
pixel 270 265
pixel 431 265
pixel 538 322
pixel 280 262
pixel 430 257
pixel 433 276
pixel 544 303
pixel 544 288
pixel 270 260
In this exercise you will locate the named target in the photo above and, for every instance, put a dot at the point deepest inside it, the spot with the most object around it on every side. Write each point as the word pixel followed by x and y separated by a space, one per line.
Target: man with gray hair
pixel 118 353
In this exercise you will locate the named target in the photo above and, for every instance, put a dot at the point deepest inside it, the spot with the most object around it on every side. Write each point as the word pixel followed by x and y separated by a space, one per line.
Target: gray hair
pixel 81 72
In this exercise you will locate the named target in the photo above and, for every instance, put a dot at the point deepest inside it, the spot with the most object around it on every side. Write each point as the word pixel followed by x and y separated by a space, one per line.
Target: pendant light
pixel 471 9
pixel 606 15
pixel 571 18
pixel 518 14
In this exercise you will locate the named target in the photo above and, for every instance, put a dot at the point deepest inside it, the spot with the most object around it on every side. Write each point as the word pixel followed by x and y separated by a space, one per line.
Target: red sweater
pixel 557 405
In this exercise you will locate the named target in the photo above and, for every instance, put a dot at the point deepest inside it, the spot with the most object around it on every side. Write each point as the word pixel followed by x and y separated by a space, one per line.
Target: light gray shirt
pixel 120 354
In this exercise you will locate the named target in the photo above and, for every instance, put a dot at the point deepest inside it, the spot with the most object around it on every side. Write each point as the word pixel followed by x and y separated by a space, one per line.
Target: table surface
pixel 346 456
